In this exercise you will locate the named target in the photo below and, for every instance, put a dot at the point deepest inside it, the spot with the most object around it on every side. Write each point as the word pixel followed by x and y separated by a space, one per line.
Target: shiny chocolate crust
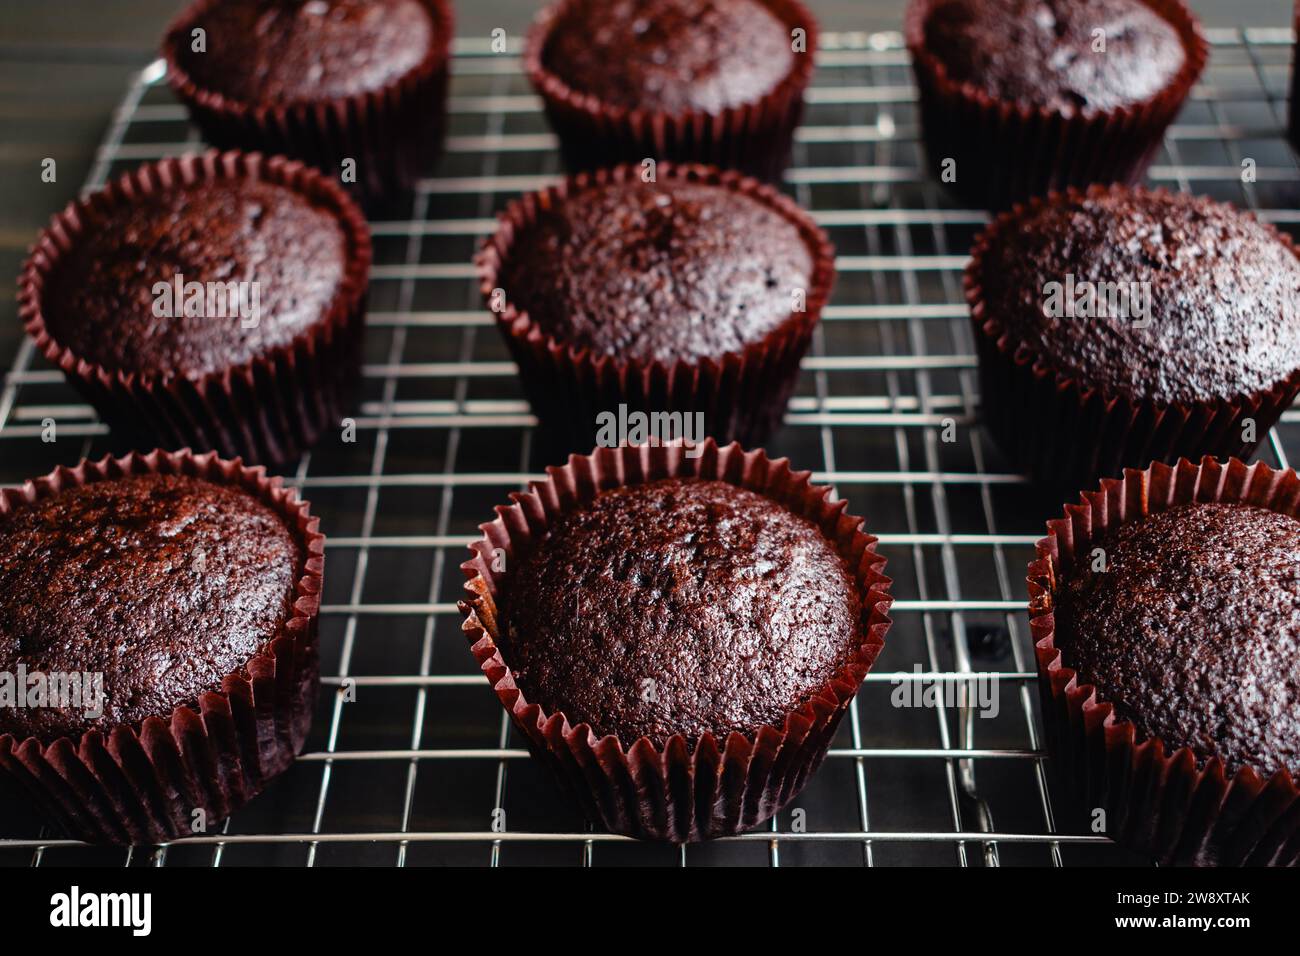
pixel 671 56
pixel 103 299
pixel 658 271
pixel 164 584
pixel 1041 52
pixel 681 606
pixel 288 50
pixel 1224 294
pixel 1192 631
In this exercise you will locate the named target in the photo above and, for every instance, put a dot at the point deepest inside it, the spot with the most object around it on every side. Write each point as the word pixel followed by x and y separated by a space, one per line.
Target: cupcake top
pixel 1043 53
pixel 658 271
pixel 164 584
pixel 669 56
pixel 264 51
pixel 1193 631
pixel 258 263
pixel 680 606
pixel 1158 296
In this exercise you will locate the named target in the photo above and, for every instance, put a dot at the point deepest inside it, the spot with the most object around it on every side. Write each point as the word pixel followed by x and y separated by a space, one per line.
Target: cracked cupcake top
pixel 1192 631
pixel 246 235
pixel 260 51
pixel 1221 293
pixel 1048 53
pixel 666 270
pixel 680 606
pixel 670 56
pixel 163 583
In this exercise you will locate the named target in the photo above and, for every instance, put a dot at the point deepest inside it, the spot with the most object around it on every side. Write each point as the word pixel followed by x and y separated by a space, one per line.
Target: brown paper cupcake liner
pixel 394 133
pixel 753 137
pixel 1006 152
pixel 1065 434
pixel 266 411
pixel 742 395
pixel 143 783
pixel 680 792
pixel 1158 801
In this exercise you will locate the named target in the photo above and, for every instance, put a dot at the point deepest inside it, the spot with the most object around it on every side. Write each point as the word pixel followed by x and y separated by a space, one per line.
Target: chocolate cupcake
pixel 708 81
pixel 676 637
pixel 1167 624
pixel 1020 97
pixel 215 302
pixel 696 293
pixel 173 598
pixel 354 87
pixel 1120 326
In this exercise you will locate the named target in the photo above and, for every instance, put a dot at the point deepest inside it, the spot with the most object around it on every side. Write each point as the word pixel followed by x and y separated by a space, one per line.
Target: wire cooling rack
pixel 411 760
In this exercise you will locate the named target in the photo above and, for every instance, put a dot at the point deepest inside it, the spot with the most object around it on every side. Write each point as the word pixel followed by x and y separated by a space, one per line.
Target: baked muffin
pixel 697 292
pixel 214 302
pixel 1028 96
pixel 1191 630
pixel 1167 624
pixel 679 623
pixel 1120 326
pixel 711 81
pixel 180 595
pixel 731 607
pixel 325 81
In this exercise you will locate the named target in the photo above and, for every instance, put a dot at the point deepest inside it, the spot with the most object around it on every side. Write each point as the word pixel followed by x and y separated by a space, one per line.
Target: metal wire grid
pixel 411 760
